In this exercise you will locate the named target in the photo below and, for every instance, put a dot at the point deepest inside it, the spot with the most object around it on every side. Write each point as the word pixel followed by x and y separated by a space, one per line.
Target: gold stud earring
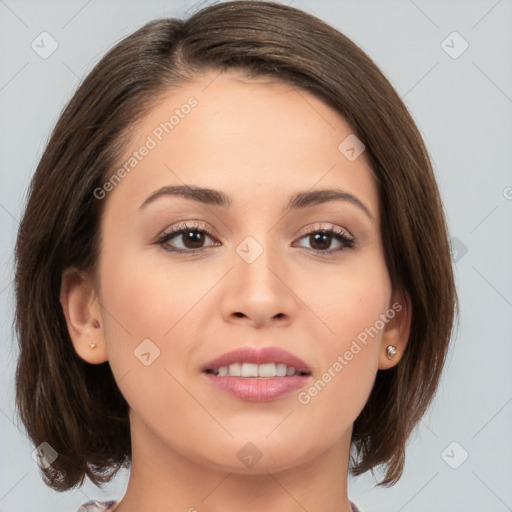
pixel 92 345
pixel 391 352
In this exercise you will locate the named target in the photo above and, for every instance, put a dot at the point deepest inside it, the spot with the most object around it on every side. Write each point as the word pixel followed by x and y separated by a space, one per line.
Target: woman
pixel 233 272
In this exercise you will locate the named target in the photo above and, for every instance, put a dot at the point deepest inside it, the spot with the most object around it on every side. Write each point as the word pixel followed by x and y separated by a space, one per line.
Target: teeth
pixel 249 370
pixel 234 369
pixel 255 370
pixel 223 370
pixel 280 370
pixel 267 370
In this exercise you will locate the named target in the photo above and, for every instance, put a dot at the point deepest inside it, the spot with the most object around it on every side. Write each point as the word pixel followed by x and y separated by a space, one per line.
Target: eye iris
pixel 321 237
pixel 195 237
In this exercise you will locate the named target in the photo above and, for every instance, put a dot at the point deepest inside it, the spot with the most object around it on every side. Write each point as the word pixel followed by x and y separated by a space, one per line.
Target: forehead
pixel 244 136
pixel 229 108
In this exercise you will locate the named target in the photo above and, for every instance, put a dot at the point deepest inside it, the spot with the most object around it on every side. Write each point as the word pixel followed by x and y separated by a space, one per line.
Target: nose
pixel 259 292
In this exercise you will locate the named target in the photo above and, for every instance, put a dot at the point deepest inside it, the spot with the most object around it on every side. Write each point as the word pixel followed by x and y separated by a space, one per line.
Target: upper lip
pixel 255 355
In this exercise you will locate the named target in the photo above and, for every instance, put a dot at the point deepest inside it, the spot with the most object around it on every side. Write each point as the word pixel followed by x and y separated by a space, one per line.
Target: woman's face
pixel 251 274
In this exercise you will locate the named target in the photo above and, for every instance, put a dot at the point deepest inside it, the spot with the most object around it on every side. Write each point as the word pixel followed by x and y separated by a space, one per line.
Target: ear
pixel 397 330
pixel 83 316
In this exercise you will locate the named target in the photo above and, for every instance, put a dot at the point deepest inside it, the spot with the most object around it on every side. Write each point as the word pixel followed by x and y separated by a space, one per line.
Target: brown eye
pixel 185 239
pixel 191 239
pixel 321 239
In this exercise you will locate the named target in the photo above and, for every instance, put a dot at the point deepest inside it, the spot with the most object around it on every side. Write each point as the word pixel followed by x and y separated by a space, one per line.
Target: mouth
pixel 256 371
pixel 257 374
pixel 252 362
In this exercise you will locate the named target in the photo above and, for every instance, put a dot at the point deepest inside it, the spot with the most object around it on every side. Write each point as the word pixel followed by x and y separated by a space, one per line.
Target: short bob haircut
pixel 77 407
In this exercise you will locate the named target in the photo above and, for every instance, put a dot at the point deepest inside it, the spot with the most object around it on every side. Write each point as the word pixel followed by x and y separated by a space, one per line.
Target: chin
pixel 254 458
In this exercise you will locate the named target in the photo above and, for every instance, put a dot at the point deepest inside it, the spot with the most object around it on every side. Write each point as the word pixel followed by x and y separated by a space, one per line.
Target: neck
pixel 163 480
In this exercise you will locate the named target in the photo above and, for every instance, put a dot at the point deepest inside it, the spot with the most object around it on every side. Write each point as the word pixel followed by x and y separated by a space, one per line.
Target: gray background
pixel 463 107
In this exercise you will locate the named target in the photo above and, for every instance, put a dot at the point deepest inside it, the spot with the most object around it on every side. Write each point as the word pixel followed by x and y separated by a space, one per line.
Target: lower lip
pixel 258 389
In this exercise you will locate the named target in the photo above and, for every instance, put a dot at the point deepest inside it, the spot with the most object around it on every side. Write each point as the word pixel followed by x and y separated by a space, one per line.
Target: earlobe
pixel 396 332
pixel 83 316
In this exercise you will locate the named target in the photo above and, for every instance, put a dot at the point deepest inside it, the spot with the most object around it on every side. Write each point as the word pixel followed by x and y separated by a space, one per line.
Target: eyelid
pixel 324 226
pixel 190 225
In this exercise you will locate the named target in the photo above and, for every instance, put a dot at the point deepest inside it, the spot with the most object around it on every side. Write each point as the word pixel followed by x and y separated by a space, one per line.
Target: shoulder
pixel 96 506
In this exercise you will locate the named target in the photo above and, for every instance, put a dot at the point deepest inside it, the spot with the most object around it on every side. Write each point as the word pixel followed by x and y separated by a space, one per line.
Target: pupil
pixel 319 237
pixel 195 238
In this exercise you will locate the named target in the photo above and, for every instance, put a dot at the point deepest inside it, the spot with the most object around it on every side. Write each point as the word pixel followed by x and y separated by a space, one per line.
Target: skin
pixel 260 143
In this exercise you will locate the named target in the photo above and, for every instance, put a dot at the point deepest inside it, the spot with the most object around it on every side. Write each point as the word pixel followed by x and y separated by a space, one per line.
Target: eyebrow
pixel 217 198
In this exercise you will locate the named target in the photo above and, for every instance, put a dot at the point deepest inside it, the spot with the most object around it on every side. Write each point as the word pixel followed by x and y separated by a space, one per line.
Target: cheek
pixel 154 315
pixel 148 331
pixel 350 299
pixel 344 381
pixel 146 292
pixel 355 310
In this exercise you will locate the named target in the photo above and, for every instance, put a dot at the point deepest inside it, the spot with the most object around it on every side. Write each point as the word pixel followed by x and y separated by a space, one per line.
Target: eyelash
pixel 346 241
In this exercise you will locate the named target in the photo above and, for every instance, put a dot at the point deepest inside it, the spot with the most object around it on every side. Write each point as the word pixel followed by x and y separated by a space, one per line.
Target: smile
pixel 252 370
pixel 257 374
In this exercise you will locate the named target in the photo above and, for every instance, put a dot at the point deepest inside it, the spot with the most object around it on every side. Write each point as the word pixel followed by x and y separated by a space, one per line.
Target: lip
pixel 257 389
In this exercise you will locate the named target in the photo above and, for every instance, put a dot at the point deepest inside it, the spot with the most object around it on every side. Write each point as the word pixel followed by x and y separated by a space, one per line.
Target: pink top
pixel 96 506
pixel 103 506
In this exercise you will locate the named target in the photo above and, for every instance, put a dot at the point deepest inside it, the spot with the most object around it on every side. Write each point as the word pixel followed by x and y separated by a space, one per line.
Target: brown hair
pixel 77 407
